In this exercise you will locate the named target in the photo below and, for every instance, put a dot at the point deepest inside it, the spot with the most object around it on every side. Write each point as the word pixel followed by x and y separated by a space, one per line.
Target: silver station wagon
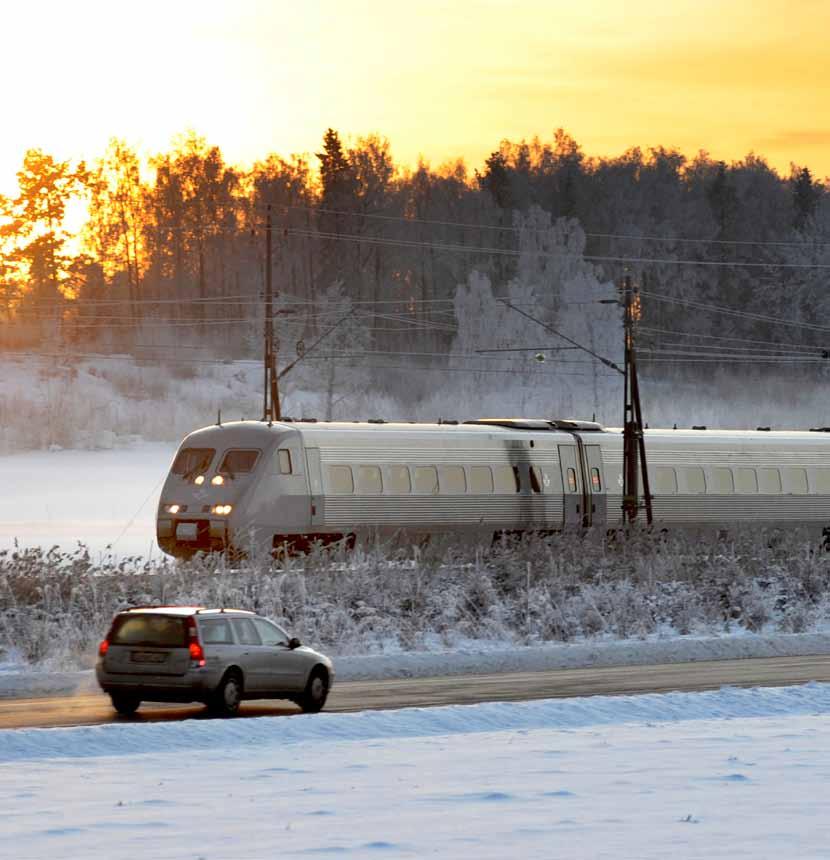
pixel 215 656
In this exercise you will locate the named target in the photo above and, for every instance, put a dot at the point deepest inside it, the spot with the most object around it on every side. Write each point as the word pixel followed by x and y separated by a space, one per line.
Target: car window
pixel 216 631
pixel 269 633
pixel 246 632
pixel 158 630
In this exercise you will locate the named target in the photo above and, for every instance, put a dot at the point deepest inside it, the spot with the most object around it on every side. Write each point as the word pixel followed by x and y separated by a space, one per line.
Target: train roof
pixel 255 430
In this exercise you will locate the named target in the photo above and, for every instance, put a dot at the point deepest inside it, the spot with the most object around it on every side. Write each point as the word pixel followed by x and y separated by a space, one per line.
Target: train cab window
pixel 769 481
pixel 284 461
pixel 506 479
pixel 369 481
pixel 480 480
pixel 398 481
pixel 341 482
pixel 238 462
pixel 795 480
pixel 536 482
pixel 746 481
pixel 571 480
pixel 665 480
pixel 596 481
pixel 695 480
pixel 426 480
pixel 451 480
pixel 192 462
pixel 821 478
pixel 721 481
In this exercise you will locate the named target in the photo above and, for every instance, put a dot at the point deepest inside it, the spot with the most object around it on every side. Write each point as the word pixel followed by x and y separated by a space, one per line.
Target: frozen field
pixel 96 497
pixel 731 774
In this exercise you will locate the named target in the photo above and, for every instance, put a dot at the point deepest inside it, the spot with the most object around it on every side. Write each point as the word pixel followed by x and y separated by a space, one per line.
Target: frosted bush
pixel 55 606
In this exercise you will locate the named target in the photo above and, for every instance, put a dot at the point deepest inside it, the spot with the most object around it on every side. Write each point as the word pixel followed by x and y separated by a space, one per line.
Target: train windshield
pixel 238 462
pixel 193 461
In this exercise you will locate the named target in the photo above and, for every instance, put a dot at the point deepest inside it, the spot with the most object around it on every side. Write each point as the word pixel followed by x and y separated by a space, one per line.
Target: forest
pixel 382 271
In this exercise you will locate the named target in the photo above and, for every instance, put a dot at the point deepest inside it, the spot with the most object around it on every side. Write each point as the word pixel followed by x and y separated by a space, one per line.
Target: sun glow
pixel 442 80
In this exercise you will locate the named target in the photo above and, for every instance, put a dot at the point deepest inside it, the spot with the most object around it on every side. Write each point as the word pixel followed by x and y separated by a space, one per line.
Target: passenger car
pixel 215 656
pixel 292 483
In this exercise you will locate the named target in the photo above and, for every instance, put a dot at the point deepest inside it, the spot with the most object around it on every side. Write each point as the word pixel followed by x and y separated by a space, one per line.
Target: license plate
pixel 187 531
pixel 148 656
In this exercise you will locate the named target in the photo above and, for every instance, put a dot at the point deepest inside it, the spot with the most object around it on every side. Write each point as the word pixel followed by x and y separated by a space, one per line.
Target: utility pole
pixel 271 394
pixel 634 445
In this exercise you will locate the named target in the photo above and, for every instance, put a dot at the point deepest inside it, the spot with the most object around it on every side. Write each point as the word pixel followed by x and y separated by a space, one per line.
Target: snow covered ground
pixel 100 498
pixel 732 774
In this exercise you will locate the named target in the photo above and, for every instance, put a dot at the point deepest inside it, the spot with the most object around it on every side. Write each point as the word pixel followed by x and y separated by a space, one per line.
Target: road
pixel 94 708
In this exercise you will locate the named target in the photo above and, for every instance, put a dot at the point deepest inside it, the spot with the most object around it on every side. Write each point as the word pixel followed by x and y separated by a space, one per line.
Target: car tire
pixel 226 697
pixel 125 703
pixel 316 692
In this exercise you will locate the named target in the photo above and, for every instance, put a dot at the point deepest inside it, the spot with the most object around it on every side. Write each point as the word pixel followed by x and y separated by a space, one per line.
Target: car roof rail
pixel 152 606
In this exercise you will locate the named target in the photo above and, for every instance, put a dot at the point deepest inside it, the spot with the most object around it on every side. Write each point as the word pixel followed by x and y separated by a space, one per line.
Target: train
pixel 292 483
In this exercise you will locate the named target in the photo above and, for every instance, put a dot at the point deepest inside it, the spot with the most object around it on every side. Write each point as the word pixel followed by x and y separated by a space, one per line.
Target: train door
pixel 596 485
pixel 315 485
pixel 572 485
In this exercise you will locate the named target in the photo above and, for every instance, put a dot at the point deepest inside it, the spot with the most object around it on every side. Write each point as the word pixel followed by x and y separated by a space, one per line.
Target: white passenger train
pixel 295 482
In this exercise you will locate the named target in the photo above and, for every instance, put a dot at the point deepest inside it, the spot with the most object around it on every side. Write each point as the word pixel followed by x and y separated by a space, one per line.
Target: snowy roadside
pixel 732 774
pixel 18 682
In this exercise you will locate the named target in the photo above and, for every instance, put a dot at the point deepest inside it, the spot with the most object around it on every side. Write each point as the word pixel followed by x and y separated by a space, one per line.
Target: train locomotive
pixel 292 483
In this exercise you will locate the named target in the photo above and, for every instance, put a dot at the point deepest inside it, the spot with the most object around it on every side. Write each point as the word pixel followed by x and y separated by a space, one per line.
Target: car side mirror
pixel 294 642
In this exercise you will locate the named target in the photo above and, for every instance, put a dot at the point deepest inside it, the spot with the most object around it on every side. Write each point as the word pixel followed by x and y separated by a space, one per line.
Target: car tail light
pixel 103 647
pixel 197 653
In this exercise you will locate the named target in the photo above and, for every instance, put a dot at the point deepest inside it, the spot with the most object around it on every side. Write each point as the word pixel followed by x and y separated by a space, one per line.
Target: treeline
pixel 174 249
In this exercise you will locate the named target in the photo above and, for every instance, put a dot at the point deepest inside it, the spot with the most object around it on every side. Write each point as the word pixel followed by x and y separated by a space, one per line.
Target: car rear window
pixel 216 631
pixel 160 630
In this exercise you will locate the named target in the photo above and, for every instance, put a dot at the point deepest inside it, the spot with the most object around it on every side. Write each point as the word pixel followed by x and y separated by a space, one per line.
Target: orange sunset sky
pixel 439 79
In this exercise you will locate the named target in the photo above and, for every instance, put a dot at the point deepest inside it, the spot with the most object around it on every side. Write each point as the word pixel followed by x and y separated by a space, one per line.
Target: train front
pixel 203 501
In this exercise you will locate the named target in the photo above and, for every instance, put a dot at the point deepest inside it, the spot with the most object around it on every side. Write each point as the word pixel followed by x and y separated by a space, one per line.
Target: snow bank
pixel 193 735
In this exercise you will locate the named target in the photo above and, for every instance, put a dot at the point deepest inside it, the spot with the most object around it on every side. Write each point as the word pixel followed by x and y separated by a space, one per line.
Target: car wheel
pixel 227 696
pixel 316 692
pixel 125 704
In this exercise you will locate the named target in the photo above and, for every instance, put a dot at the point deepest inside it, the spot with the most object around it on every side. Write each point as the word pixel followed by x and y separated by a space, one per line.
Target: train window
pixel 746 481
pixel 822 481
pixel 795 480
pixel 769 481
pixel 665 480
pixel 480 479
pixel 695 480
pixel 284 461
pixel 571 480
pixel 341 482
pixel 236 462
pixel 506 479
pixel 426 480
pixel 369 481
pixel 193 461
pixel 536 481
pixel 397 479
pixel 596 481
pixel 721 481
pixel 451 480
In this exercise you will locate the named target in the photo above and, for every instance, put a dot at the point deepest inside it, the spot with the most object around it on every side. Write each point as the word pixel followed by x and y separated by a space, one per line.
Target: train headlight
pixel 199 480
pixel 222 510
pixel 217 480
pixel 172 509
